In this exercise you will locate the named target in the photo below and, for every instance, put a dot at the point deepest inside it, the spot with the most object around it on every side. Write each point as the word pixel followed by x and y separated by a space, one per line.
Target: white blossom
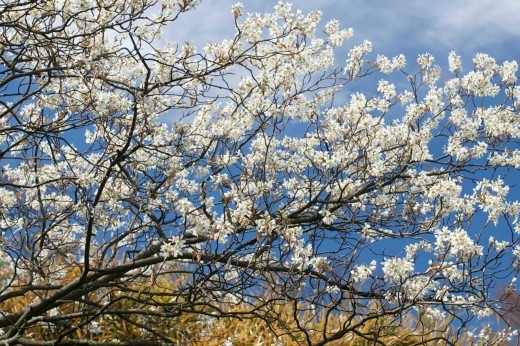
pixel 172 248
pixel 397 269
pixel 455 62
pixel 361 273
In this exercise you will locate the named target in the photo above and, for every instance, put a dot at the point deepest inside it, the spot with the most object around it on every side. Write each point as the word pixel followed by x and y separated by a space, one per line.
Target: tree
pixel 143 182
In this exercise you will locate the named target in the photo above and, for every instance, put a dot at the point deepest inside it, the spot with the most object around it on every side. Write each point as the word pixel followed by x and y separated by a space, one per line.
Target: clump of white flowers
pixel 173 247
pixel 95 328
pixel 397 269
pixel 361 273
pixel 454 62
pixel 237 9
pixel 355 58
pixel 386 65
pixel 320 263
pixel 328 217
pixel 508 72
pixel 335 35
pixel 456 242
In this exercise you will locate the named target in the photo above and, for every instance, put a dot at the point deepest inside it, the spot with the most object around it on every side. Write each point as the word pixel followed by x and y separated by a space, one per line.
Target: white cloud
pixel 475 23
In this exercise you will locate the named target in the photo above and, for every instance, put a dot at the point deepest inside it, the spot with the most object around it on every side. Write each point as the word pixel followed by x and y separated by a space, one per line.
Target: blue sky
pixel 394 26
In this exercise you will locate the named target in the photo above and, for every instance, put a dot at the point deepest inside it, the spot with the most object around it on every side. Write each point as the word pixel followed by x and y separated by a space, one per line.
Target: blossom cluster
pixel 252 160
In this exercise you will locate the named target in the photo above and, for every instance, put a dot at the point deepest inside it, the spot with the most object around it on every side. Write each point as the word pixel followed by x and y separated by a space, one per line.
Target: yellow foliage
pixel 268 320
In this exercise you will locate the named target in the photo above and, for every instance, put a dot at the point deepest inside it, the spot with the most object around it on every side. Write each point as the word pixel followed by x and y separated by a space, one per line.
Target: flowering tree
pixel 143 180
